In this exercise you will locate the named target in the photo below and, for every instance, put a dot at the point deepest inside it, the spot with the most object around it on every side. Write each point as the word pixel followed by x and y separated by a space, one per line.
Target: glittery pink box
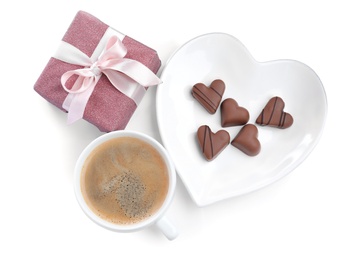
pixel 108 109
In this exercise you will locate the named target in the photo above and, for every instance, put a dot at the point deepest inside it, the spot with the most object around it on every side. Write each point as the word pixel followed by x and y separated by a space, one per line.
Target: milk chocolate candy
pixel 247 140
pixel 273 114
pixel 232 114
pixel 209 97
pixel 212 144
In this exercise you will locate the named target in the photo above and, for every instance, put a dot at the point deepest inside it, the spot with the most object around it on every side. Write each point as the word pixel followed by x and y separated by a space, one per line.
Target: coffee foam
pixel 125 180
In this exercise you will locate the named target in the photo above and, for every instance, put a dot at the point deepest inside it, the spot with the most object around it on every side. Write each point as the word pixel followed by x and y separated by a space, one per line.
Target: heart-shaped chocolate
pixel 212 144
pixel 247 140
pixel 273 114
pixel 232 114
pixel 209 97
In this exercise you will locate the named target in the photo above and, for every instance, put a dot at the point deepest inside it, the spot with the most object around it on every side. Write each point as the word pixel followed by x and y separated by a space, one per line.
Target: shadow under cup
pixel 110 143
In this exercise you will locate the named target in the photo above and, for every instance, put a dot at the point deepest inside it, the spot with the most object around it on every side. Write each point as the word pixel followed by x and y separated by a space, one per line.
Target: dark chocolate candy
pixel 247 140
pixel 209 97
pixel 232 114
pixel 273 114
pixel 212 144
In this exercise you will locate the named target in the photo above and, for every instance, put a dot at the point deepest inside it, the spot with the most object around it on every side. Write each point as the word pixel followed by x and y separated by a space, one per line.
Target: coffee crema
pixel 124 180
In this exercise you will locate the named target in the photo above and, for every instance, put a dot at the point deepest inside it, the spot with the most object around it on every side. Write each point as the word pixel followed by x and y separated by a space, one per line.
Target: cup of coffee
pixel 125 181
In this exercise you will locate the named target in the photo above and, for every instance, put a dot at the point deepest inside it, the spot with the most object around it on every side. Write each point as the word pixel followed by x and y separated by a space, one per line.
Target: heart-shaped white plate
pixel 251 84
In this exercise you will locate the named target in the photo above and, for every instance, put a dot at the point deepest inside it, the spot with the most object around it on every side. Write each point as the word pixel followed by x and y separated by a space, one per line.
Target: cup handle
pixel 167 228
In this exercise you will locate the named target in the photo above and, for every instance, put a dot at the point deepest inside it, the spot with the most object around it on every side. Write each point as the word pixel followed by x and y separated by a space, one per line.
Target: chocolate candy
pixel 232 114
pixel 209 97
pixel 273 114
pixel 212 144
pixel 247 140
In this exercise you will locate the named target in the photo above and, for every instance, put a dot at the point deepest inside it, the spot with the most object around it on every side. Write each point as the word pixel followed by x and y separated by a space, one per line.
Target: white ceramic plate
pixel 252 84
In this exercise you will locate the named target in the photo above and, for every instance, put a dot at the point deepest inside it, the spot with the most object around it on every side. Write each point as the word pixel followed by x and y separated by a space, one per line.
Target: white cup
pixel 158 218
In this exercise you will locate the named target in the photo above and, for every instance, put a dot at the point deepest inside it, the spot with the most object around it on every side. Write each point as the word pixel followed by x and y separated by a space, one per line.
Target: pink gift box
pixel 107 108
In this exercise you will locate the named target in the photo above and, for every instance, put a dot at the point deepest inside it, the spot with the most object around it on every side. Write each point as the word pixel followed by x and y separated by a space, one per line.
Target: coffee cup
pixel 125 181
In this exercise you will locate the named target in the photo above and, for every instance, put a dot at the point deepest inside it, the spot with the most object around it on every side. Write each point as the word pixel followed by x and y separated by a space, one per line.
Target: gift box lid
pixel 107 108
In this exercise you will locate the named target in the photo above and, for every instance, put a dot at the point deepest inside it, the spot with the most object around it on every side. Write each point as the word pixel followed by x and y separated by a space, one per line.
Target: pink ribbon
pixel 124 74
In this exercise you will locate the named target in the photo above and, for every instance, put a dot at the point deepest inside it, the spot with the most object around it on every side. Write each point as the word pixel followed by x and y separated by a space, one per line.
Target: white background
pixel 313 213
